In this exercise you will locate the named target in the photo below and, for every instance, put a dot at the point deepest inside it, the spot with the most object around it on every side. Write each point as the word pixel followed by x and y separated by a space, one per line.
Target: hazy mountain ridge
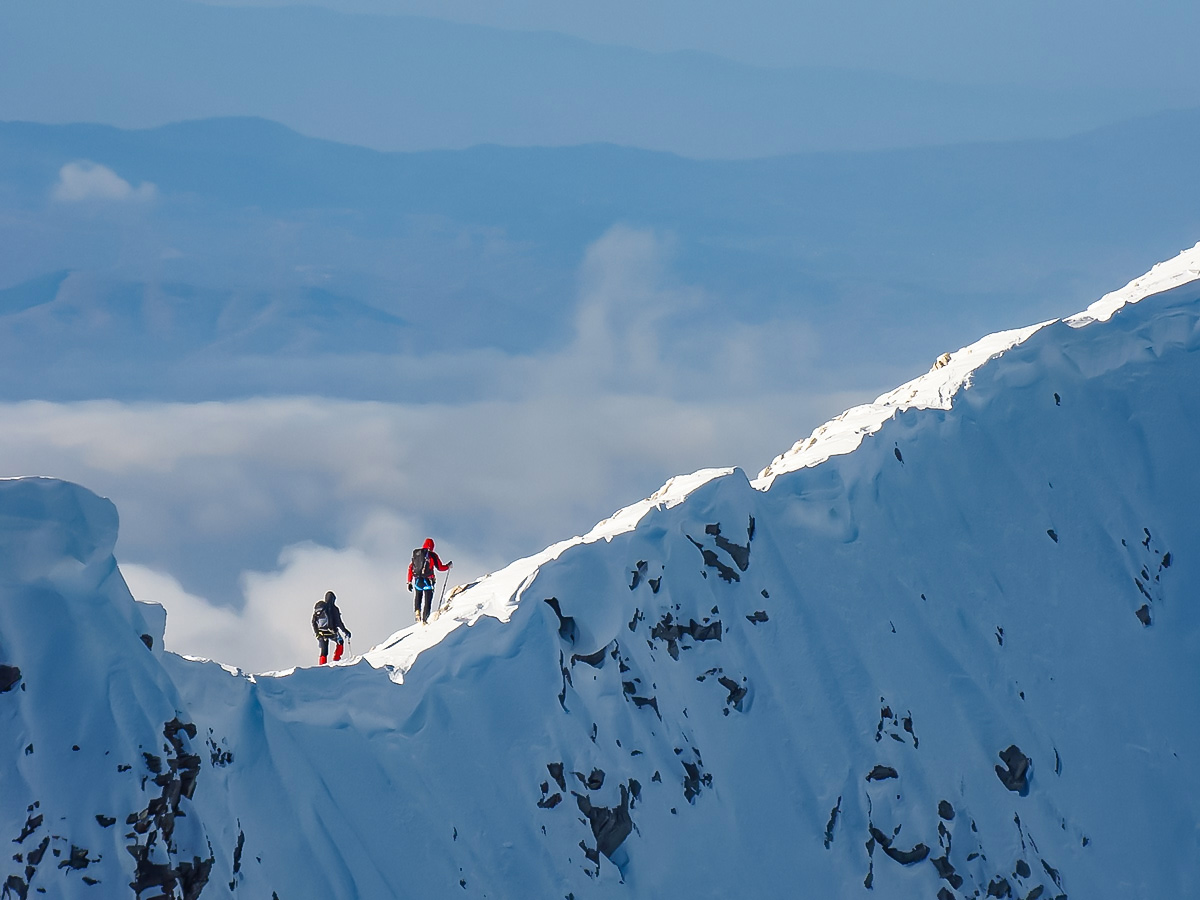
pixel 409 83
pixel 956 662
pixel 488 242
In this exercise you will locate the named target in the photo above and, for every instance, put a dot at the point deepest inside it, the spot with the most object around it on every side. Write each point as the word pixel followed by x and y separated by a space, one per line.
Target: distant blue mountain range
pixel 409 83
pixel 259 242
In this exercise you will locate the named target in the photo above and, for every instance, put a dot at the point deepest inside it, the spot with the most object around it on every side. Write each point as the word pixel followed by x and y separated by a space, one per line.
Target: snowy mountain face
pixel 944 648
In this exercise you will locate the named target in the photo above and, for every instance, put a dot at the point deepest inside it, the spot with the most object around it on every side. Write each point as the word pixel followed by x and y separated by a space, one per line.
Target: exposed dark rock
pixel 186 765
pixel 567 629
pixel 833 817
pixel 736 692
pixel 945 810
pixel 655 584
pixel 713 562
pixel 759 616
pixel 32 824
pixel 550 802
pixel 17 886
pixel 899 456
pixel 1053 534
pixel 1022 869
pixel 694 780
pixel 1057 399
pixel 10 677
pixel 1036 893
pixel 739 554
pixel 946 871
pixel 78 859
pixel 241 845
pixel 610 825
pixel 870 879
pixel 556 772
pixel 1016 776
pixel 1165 563
pixel 105 821
pixel 1051 871
pixel 193 876
pixel 34 857
pixel 595 781
pixel 218 756
pixel 156 822
pixel 639 572
pixel 1143 614
pixel 879 773
pixel 651 702
pixel 904 857
pixel 637 617
pixel 148 641
pixel 566 680
pixel 1000 636
pixel 944 894
pixel 999 887
pixel 672 631
pixel 595 660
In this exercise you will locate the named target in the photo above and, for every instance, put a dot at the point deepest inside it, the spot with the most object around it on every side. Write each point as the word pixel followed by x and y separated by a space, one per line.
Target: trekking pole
pixel 442 594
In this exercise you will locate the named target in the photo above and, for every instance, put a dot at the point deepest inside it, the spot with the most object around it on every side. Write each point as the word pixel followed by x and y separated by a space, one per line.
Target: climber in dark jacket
pixel 327 623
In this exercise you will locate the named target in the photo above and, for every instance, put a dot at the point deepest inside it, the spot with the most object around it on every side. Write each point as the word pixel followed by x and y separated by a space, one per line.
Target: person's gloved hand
pixel 346 631
pixel 410 587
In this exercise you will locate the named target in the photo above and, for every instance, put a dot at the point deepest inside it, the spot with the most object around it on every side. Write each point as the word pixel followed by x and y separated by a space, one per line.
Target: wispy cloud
pixel 84 180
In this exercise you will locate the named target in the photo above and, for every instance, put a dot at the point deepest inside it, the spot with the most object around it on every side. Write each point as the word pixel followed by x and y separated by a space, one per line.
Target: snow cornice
pixel 952 372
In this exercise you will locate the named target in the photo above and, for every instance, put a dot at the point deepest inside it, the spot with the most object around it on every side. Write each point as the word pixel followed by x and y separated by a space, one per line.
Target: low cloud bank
pixel 238 516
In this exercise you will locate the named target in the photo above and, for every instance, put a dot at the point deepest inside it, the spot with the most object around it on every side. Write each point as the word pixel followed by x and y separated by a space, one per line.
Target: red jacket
pixel 433 558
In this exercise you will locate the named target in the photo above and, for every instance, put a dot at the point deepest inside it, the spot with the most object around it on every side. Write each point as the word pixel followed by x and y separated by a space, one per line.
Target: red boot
pixel 321 661
pixel 337 652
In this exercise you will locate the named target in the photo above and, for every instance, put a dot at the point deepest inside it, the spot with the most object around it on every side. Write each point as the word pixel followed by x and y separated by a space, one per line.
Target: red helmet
pixel 428 545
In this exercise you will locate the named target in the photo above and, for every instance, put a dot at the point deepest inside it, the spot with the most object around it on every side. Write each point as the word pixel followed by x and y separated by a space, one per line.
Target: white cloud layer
pixel 84 180
pixel 238 516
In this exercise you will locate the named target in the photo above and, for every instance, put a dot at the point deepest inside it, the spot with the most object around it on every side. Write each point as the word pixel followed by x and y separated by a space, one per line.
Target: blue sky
pixel 1069 43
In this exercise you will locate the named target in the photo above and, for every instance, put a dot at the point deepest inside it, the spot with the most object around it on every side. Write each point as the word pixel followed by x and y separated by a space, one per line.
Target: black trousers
pixel 422 604
pixel 323 643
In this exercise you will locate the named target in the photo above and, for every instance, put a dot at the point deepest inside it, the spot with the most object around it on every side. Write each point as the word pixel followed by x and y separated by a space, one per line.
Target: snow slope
pixel 944 648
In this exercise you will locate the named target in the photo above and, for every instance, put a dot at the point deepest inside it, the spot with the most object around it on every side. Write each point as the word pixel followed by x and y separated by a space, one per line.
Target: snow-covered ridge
pixel 953 371
pixel 498 594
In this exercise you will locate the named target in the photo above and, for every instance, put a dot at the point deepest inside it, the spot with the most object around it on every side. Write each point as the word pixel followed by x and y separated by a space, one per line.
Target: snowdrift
pixel 946 647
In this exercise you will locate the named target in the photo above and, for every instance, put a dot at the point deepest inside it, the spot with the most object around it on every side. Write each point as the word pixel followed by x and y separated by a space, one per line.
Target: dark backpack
pixel 422 564
pixel 321 618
